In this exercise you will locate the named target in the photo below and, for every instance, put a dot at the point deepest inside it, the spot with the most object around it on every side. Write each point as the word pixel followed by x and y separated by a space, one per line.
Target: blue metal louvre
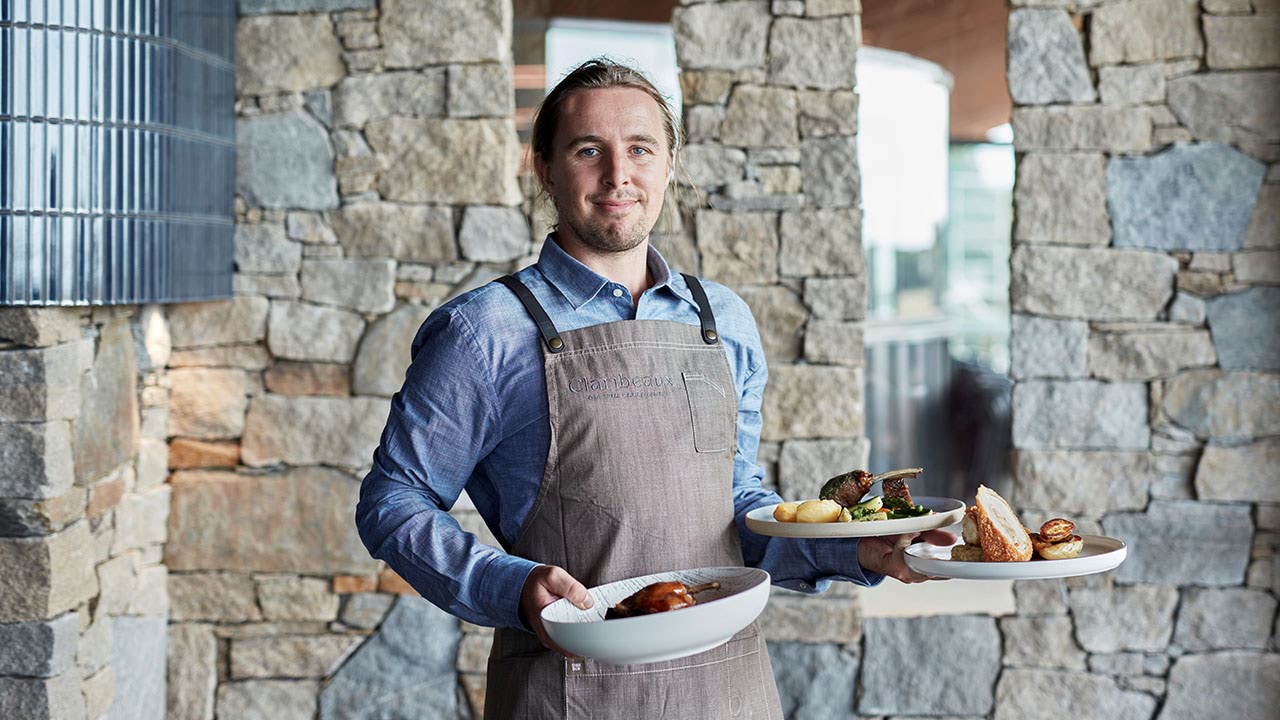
pixel 117 151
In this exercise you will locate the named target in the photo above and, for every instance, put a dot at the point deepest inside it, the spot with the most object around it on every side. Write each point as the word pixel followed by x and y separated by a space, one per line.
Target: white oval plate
pixel 1099 554
pixel 946 511
pixel 717 617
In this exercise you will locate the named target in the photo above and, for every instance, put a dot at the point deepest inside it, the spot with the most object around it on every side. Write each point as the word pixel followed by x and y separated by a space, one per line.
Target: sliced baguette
pixel 1002 535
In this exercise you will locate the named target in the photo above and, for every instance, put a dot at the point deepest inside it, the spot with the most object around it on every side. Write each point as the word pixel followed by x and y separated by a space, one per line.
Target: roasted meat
pixel 849 489
pixel 658 597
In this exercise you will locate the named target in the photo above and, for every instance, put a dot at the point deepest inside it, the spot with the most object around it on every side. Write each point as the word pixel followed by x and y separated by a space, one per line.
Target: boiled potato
pixel 818 511
pixel 785 512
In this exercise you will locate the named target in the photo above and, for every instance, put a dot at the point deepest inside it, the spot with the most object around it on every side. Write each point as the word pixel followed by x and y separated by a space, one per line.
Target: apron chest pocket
pixel 711 429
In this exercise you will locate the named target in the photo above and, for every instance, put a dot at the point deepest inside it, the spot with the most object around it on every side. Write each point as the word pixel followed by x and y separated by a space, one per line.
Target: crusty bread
pixel 1063 550
pixel 1002 535
pixel 966 553
pixel 969 526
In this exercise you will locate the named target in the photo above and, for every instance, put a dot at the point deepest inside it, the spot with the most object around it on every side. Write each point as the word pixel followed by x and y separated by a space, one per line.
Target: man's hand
pixel 545 585
pixel 884 554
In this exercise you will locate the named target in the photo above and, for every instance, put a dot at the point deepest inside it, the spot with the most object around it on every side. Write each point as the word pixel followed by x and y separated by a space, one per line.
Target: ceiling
pixel 965 37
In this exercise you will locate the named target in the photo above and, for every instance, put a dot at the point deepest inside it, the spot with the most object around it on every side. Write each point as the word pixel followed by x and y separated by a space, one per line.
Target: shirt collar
pixel 579 283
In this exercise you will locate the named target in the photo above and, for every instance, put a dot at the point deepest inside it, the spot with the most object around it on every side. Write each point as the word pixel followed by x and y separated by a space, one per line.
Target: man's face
pixel 608 168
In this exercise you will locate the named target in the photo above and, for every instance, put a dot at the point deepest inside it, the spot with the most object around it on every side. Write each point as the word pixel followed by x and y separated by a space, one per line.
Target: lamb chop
pixel 849 489
pixel 658 597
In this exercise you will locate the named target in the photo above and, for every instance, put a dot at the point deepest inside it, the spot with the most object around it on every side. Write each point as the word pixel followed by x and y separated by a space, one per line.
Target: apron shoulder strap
pixel 709 334
pixel 550 336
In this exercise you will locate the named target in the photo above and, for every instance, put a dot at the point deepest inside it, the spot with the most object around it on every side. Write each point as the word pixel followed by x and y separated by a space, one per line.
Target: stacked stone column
pixel 1145 348
pixel 83 506
pixel 377 177
pixel 769 205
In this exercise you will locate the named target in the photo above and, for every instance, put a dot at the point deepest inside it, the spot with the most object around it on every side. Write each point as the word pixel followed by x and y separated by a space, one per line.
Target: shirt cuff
pixel 502 582
pixel 839 561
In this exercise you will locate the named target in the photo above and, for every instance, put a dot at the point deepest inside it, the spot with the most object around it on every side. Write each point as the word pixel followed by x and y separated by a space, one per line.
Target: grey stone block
pixel 1236 107
pixel 361 98
pixel 46 576
pixel 284 54
pixel 192 672
pixel 264 248
pixel 39 327
pixel 1145 30
pixel 957 682
pixel 1061 198
pixel 35 460
pixel 830 169
pixel 1242 473
pixel 822 242
pixel 781 317
pixel 297 656
pixel 813 53
pixel 1048 348
pixel 365 610
pixel 41 649
pixel 1182 542
pixel 1224 619
pixel 416 33
pixel 1046 59
pixel 790 413
pixel 138 656
pixel 1025 694
pixel 1086 482
pixel 481 90
pixel 1045 641
pixel 223 322
pixel 1063 282
pixel 408 665
pixel 1227 407
pixel 42 699
pixel 1111 619
pixel 722 36
pixel 493 234
pixel 40 385
pixel 1230 685
pixel 1083 414
pixel 268 699
pixel 260 7
pixel 1190 197
pixel 471 162
pixel 301 331
pixel 1246 328
pixel 815 681
pixel 366 286
pixel 285 161
pixel 383 357
pixel 1083 127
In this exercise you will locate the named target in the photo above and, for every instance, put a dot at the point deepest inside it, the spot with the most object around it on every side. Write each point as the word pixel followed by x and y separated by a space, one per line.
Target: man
pixel 603 413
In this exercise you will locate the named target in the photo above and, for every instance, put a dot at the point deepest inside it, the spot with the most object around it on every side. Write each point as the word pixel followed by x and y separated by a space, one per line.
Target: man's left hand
pixel 884 555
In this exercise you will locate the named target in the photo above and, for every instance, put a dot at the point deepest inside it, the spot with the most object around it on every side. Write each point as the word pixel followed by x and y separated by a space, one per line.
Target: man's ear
pixel 543 170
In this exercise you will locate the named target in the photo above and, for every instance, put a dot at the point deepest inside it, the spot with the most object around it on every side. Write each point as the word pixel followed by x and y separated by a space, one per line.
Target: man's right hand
pixel 545 585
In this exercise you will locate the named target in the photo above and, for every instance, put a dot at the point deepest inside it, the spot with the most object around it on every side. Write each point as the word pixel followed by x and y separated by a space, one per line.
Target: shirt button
pixel 617 292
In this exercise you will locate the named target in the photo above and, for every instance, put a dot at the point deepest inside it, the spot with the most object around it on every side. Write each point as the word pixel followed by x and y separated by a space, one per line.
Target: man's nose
pixel 615 171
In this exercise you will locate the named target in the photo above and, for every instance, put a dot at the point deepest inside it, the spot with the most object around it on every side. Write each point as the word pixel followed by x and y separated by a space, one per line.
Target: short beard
pixel 601 239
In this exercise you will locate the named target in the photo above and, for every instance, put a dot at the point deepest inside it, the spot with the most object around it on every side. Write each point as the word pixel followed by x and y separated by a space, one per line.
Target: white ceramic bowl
pixel 718 616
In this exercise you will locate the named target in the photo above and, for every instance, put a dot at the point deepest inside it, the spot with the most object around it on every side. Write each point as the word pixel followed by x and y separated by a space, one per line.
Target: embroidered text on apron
pixel 638 480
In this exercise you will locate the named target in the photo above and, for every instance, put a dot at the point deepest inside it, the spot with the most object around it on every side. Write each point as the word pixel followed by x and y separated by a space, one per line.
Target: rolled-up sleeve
pixel 442 422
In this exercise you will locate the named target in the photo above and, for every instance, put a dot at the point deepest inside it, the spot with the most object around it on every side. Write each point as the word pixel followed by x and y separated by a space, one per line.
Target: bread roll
pixel 1002 535
pixel 966 553
pixel 1057 530
pixel 969 527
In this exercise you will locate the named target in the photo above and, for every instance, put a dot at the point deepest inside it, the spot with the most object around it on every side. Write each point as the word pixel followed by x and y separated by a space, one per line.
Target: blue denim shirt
pixel 472 415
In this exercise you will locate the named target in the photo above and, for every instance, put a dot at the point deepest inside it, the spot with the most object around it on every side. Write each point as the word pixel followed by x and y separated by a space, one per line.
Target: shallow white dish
pixel 718 616
pixel 1100 554
pixel 946 511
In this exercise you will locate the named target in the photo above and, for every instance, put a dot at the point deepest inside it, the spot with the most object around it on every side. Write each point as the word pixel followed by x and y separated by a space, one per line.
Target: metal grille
pixel 117 151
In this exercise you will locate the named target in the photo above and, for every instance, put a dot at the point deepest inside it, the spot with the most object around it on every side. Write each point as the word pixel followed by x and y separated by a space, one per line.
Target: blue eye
pixel 588 152
pixel 640 150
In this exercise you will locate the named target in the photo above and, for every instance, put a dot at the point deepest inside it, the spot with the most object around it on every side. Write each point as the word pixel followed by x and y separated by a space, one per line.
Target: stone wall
pixel 1145 350
pixel 377 177
pixel 83 507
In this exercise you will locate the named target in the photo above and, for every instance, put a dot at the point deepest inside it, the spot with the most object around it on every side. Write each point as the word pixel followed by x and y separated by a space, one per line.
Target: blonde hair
pixel 596 74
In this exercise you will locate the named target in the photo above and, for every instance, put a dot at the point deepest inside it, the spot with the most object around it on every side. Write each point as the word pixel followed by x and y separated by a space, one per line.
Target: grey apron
pixel 638 480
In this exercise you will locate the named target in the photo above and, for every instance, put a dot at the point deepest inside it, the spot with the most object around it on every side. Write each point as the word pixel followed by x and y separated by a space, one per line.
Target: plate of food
pixel 996 546
pixel 661 616
pixel 845 507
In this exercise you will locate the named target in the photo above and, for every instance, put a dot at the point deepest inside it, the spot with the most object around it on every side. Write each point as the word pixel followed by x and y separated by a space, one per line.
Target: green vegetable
pixel 863 509
pixel 880 515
